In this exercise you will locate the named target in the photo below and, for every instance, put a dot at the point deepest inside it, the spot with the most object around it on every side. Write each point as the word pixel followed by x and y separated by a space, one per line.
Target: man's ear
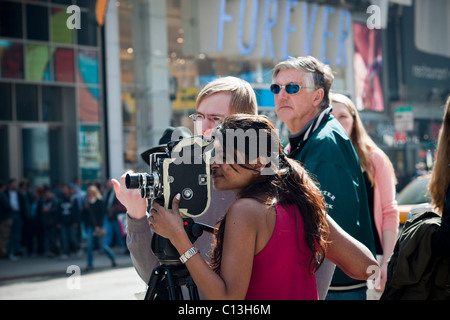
pixel 318 97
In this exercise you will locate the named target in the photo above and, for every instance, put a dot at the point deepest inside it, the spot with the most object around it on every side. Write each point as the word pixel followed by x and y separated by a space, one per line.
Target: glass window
pixel 87 35
pixel 27 102
pixel 37 62
pixel 63 64
pixel 6 101
pixel 36 165
pixel 55 142
pixel 83 3
pixel 11 60
pixel 88 104
pixel 37 22
pixel 88 67
pixel 59 31
pixel 65 2
pixel 52 103
pixel 11 19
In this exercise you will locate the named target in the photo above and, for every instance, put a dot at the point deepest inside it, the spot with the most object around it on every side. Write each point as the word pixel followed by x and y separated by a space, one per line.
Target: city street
pixel 109 284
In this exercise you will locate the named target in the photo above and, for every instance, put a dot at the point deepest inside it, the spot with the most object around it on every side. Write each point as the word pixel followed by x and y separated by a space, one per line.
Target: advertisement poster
pixel 368 63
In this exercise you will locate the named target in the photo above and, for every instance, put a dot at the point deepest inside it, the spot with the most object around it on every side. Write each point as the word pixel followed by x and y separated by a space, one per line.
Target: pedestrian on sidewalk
pixel 67 224
pixel 93 217
pixel 49 212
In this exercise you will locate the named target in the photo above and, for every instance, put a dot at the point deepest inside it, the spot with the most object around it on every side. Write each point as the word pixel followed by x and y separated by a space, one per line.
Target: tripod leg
pixel 153 283
pixel 193 291
pixel 173 288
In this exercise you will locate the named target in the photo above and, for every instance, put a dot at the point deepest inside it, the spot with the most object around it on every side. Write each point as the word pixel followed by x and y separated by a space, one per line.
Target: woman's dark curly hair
pixel 288 184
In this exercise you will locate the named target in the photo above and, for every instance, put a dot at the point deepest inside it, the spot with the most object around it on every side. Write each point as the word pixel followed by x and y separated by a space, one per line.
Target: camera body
pixel 184 168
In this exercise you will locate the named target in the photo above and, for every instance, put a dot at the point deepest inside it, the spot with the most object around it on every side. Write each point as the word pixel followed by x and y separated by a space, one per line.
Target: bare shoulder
pixel 246 210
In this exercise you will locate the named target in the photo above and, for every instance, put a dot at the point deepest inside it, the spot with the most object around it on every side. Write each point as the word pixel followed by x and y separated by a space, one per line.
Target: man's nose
pixel 283 93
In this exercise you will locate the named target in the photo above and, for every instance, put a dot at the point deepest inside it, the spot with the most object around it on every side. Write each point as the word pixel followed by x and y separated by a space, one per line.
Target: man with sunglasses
pixel 301 87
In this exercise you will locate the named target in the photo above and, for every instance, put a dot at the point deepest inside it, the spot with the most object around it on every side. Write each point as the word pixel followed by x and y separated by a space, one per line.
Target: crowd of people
pixel 59 221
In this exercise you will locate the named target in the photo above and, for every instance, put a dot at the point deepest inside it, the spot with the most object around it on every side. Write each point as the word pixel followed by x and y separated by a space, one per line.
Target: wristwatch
pixel 188 254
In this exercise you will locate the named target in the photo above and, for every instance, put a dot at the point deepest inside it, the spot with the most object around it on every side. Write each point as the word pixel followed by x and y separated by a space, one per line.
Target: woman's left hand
pixel 166 223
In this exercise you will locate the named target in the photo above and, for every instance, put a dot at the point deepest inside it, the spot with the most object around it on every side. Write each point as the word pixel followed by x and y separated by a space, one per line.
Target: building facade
pixel 51 114
pixel 86 102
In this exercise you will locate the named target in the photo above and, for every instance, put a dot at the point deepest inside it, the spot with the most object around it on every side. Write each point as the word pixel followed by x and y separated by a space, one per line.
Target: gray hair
pixel 317 75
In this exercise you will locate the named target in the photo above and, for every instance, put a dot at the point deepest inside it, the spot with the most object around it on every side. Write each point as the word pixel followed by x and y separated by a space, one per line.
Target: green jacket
pixel 328 155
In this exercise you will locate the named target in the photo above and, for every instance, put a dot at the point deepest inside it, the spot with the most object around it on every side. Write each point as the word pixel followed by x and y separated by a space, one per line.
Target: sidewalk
pixel 28 267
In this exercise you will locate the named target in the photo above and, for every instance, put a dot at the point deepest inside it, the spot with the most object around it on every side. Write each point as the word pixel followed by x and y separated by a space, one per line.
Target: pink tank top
pixel 281 271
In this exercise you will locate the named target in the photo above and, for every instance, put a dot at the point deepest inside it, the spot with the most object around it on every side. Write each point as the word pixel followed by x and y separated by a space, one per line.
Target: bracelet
pixel 188 254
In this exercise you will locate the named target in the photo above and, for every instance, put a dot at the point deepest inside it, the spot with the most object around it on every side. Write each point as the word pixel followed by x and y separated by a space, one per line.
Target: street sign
pixel 404 119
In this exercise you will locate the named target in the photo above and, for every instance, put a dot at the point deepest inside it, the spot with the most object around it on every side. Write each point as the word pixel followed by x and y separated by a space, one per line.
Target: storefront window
pixel 55 101
pixel 88 67
pixel 11 60
pixel 27 103
pixel 87 35
pixel 11 19
pixel 88 104
pixel 37 22
pixel 60 32
pixel 36 165
pixel 129 125
pixel 37 63
pixel 63 65
pixel 6 99
pixel 247 38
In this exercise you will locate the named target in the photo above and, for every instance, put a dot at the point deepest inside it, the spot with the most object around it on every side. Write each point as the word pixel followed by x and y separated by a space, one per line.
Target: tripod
pixel 167 279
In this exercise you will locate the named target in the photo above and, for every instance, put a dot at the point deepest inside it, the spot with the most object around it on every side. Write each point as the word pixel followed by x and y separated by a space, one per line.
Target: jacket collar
pixel 296 140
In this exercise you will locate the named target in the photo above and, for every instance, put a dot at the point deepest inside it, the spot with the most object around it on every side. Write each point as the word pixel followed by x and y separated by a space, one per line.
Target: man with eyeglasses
pixel 301 87
pixel 217 100
pixel 221 98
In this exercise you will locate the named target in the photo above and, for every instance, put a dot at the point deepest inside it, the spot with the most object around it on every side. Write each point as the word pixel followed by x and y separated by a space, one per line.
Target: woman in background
pixel 440 188
pixel 380 185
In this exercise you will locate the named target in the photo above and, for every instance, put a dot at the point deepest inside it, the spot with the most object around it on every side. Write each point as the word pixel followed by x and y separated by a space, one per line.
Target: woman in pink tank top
pixel 273 237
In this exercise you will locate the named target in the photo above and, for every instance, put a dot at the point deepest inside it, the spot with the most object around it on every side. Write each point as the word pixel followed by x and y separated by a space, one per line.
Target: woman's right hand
pixel 130 198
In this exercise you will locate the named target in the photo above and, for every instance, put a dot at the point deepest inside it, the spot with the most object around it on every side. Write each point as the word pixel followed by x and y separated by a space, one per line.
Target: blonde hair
pixel 243 97
pixel 440 176
pixel 361 141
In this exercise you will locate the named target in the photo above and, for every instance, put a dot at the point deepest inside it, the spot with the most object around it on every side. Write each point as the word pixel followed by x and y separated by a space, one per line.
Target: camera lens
pixel 132 181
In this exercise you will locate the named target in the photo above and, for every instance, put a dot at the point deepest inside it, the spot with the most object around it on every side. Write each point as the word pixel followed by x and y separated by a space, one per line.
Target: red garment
pixel 282 270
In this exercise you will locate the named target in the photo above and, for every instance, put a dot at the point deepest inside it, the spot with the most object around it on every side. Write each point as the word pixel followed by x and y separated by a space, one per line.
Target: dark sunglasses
pixel 290 88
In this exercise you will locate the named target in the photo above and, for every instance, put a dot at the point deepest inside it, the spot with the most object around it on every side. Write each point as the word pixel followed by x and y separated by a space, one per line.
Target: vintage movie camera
pixel 183 167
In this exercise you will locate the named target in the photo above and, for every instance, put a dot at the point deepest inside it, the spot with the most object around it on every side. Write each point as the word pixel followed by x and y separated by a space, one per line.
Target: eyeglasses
pixel 290 88
pixel 200 117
